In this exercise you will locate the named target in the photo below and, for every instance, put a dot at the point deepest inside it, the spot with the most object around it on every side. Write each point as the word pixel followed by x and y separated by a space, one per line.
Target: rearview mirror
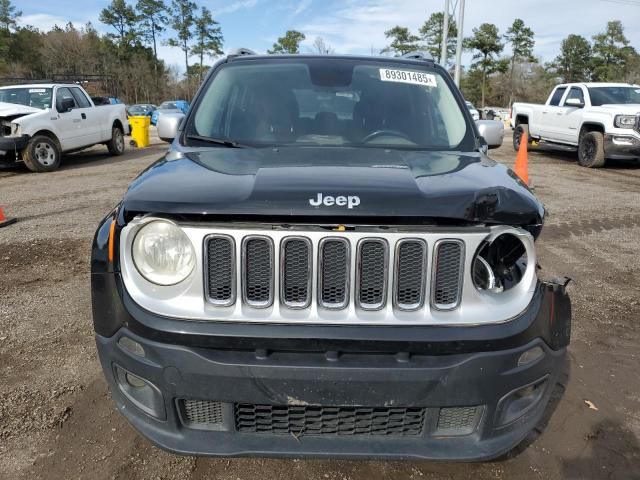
pixel 169 125
pixel 492 131
pixel 574 102
pixel 66 105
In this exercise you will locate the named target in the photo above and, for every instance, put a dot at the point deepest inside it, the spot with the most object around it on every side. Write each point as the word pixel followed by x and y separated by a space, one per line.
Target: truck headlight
pixel 626 121
pixel 162 253
pixel 499 264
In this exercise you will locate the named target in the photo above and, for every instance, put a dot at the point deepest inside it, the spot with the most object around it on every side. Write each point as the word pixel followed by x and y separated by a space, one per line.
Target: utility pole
pixel 445 35
pixel 451 12
pixel 460 40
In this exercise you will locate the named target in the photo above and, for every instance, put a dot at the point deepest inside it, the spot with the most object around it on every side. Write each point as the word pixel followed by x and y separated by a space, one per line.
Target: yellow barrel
pixel 140 130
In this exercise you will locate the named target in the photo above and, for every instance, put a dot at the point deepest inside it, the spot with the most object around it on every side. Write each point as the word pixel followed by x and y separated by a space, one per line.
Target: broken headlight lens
pixel 499 264
pixel 162 253
pixel 626 121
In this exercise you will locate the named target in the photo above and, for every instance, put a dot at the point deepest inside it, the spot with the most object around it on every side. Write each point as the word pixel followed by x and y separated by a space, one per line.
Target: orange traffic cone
pixel 522 160
pixel 4 221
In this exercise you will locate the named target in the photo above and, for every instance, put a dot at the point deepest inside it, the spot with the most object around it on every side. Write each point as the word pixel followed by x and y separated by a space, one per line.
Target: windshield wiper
pixel 217 141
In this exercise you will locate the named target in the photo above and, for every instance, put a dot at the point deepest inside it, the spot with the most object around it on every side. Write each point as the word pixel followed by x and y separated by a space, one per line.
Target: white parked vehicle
pixel 41 122
pixel 601 119
pixel 475 114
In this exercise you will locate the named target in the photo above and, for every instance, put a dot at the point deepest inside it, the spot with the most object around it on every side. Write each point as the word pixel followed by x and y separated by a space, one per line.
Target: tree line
pixel 125 59
pixel 503 67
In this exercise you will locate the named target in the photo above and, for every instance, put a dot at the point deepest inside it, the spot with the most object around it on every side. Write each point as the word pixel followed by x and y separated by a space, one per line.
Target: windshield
pixel 31 97
pixel 139 109
pixel 330 102
pixel 614 95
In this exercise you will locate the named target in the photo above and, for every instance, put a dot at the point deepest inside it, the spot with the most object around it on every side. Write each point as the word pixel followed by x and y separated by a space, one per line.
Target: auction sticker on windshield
pixel 408 76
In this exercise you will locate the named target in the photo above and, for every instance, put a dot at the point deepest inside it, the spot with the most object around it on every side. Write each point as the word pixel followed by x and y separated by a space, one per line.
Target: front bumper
pixel 295 369
pixel 12 146
pixel 622 147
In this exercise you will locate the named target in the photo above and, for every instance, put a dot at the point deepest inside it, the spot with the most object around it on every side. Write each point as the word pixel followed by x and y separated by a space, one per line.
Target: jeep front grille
pixel 327 263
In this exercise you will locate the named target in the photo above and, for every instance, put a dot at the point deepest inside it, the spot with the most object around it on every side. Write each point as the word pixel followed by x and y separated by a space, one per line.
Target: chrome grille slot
pixel 447 274
pixel 333 273
pixel 220 270
pixel 410 274
pixel 257 271
pixel 371 282
pixel 296 272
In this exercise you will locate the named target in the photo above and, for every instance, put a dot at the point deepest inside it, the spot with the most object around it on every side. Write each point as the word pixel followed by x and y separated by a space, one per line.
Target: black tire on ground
pixel 517 135
pixel 116 144
pixel 591 150
pixel 42 154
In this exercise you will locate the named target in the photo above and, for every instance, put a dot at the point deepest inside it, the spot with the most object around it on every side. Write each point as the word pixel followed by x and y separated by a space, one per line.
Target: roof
pixel 40 85
pixel 305 56
pixel 597 84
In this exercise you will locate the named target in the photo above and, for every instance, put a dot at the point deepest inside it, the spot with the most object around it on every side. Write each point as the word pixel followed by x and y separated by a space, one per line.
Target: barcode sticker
pixel 408 76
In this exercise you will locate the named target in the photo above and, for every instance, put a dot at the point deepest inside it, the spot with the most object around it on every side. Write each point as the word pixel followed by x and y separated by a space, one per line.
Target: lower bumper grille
pixel 319 420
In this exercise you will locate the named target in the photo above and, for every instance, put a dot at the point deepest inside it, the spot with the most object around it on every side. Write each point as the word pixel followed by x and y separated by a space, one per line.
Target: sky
pixel 357 26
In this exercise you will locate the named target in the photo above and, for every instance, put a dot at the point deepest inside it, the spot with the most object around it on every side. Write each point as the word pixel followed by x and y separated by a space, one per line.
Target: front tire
pixel 42 154
pixel 521 128
pixel 116 144
pixel 591 150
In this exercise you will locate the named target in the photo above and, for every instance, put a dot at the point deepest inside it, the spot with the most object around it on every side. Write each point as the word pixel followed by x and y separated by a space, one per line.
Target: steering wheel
pixel 383 133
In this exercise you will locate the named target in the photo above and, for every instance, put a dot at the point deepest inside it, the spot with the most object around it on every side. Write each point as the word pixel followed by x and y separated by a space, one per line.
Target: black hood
pixel 279 183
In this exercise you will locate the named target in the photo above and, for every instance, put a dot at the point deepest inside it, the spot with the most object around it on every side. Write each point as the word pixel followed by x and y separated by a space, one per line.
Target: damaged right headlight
pixel 500 263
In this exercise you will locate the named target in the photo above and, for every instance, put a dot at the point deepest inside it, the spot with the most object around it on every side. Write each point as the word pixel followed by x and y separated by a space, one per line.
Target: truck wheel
pixel 591 150
pixel 42 154
pixel 116 144
pixel 517 135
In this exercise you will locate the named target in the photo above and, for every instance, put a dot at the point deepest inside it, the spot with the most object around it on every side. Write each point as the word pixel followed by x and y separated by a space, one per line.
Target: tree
pixel 183 12
pixel 486 42
pixel 290 43
pixel 8 15
pixel 122 18
pixel 153 20
pixel 573 63
pixel 609 53
pixel 403 41
pixel 208 38
pixel 522 42
pixel 321 47
pixel 432 32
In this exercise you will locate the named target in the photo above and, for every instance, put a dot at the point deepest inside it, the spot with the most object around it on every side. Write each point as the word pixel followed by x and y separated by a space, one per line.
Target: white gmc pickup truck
pixel 601 119
pixel 38 123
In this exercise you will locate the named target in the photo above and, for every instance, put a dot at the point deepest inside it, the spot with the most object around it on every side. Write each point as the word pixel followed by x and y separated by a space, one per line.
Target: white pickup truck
pixel 601 119
pixel 38 123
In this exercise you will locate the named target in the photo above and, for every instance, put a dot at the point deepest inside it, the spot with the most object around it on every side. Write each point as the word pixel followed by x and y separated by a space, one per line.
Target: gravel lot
pixel 58 421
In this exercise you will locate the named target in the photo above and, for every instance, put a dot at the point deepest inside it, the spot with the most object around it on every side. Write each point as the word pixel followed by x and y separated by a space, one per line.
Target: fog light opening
pixel 518 403
pixel 530 356
pixel 141 393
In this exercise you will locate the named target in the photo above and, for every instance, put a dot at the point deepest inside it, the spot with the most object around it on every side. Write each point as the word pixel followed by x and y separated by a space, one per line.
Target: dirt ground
pixel 57 420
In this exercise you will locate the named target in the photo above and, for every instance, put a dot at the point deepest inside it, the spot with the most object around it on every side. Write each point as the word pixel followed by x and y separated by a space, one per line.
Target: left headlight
pixel 162 253
pixel 626 121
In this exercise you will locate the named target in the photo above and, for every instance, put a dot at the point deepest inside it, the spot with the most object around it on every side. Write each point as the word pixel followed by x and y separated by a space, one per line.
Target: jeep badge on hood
pixel 340 201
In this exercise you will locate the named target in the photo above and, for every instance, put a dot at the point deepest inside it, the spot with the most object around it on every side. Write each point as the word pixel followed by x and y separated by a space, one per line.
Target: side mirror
pixel 492 131
pixel 574 102
pixel 66 105
pixel 169 125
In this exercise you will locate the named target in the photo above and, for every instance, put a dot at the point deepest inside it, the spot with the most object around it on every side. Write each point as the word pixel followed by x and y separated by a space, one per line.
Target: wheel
pixel 42 154
pixel 520 129
pixel 116 144
pixel 591 150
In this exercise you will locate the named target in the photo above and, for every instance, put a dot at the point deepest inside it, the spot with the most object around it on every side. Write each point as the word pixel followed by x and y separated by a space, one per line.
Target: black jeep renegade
pixel 326 263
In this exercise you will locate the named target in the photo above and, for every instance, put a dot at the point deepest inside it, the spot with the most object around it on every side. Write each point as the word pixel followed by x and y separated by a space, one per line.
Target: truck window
pixel 557 96
pixel 575 93
pixel 62 94
pixel 80 97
